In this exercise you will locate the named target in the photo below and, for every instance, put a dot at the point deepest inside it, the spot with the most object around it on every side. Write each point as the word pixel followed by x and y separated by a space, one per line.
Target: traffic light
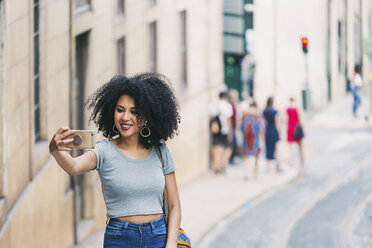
pixel 304 42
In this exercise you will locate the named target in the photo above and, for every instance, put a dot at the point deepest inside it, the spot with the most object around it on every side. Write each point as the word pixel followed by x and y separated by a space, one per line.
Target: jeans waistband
pixel 142 226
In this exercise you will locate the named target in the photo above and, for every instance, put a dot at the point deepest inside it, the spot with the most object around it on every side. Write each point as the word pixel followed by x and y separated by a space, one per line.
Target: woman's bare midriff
pixel 138 219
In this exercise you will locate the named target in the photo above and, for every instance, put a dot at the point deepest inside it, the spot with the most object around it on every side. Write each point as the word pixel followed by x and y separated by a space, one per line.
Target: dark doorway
pixel 78 122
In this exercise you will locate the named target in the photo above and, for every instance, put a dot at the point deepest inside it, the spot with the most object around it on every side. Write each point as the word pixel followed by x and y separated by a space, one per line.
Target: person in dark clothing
pixel 271 117
pixel 232 97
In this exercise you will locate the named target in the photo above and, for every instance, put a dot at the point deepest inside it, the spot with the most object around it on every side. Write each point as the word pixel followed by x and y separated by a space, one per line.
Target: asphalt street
pixel 330 206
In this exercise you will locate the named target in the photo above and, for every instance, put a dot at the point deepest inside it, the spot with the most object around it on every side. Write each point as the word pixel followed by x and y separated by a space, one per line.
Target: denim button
pixel 142 227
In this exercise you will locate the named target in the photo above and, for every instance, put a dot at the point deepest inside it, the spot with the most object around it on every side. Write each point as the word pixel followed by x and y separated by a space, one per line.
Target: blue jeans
pixel 145 235
pixel 357 100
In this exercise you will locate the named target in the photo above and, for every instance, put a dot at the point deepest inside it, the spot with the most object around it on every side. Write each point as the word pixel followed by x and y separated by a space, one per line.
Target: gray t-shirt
pixel 129 186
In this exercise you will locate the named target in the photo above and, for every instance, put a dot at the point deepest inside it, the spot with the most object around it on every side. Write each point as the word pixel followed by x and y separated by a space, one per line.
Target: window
pixel 153 47
pixel 152 3
pixel 81 3
pixel 183 47
pixel 121 8
pixel 82 6
pixel 121 56
pixel 249 20
pixel 36 39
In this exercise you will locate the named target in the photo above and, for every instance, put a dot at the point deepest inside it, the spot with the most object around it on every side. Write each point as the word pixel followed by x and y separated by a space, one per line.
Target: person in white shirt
pixel 356 83
pixel 221 112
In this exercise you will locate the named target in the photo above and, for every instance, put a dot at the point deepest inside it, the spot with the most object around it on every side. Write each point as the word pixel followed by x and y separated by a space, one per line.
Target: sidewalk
pixel 212 198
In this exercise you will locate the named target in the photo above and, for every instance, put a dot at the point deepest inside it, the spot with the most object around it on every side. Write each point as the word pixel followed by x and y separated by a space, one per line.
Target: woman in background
pixel 253 137
pixel 271 117
pixel 293 121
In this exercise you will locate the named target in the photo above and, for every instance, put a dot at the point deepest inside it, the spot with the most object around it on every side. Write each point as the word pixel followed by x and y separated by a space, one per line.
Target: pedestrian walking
pixel 242 109
pixel 253 137
pixel 293 124
pixel 272 123
pixel 135 114
pixel 232 97
pixel 355 84
pixel 220 119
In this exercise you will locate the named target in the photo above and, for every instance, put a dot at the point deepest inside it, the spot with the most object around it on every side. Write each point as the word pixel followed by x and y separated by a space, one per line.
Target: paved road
pixel 331 206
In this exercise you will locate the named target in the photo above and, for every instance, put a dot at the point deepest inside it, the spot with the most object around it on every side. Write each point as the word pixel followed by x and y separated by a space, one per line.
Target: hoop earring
pixel 147 132
pixel 113 129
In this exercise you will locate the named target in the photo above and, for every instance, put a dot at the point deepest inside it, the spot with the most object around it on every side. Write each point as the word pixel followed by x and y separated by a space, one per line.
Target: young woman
pixel 271 117
pixel 253 137
pixel 294 120
pixel 135 114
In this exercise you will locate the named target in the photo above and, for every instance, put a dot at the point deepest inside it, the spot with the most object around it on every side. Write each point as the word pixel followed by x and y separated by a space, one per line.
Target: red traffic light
pixel 304 41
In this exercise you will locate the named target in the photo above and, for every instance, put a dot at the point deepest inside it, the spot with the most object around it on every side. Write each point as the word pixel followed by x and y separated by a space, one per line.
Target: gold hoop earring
pixel 113 129
pixel 147 132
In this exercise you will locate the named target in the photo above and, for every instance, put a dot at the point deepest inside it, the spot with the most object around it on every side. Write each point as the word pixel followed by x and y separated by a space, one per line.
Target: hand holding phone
pixel 80 139
pixel 66 139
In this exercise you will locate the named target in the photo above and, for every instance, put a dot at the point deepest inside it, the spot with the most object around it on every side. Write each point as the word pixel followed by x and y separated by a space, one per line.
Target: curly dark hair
pixel 154 100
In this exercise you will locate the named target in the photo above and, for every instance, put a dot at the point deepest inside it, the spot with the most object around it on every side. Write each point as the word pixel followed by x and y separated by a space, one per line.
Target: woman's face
pixel 125 117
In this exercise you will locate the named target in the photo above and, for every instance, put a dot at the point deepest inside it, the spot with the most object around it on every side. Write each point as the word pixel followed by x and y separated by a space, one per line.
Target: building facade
pixel 338 32
pixel 53 55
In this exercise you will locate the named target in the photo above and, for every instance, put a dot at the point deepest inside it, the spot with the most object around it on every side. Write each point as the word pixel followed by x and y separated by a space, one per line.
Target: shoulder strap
pixel 165 207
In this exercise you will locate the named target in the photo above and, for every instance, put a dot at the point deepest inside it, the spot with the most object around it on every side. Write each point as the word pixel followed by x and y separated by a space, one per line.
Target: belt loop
pixel 152 226
pixel 108 220
pixel 125 226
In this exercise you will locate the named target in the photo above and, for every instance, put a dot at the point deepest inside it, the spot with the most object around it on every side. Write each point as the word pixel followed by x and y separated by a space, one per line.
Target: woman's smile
pixel 126 126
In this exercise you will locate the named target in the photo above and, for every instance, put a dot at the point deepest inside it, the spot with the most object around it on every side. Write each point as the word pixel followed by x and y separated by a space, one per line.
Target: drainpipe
pixel 328 49
pixel 361 36
pixel 346 43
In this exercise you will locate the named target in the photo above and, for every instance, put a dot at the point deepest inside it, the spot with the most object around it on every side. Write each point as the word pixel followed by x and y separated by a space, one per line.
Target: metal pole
pixel 306 93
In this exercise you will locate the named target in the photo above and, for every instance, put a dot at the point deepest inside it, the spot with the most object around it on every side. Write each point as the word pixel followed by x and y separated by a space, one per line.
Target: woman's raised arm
pixel 59 150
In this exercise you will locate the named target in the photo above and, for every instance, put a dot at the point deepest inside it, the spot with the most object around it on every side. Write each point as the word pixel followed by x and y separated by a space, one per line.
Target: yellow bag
pixel 283 152
pixel 307 149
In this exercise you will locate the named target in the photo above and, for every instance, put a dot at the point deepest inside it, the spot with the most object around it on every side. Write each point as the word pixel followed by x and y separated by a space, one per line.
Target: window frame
pixel 80 9
pixel 120 8
pixel 152 3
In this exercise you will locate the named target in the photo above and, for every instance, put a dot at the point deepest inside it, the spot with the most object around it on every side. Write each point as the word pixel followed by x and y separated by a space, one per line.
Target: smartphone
pixel 82 139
